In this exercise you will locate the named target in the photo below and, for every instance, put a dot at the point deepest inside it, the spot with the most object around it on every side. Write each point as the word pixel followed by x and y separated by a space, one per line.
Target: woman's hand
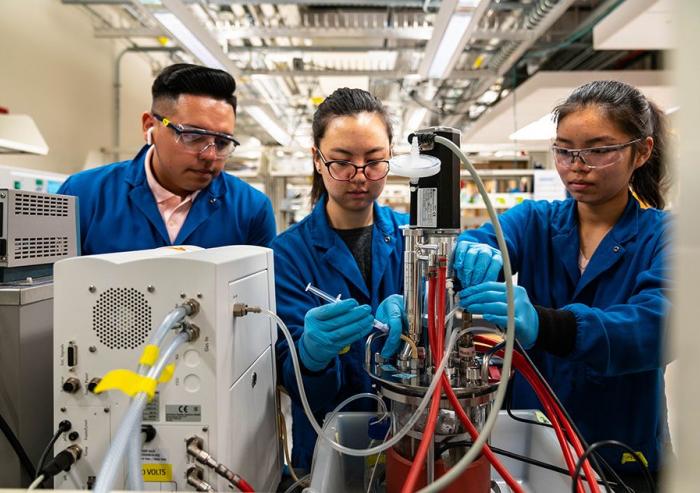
pixel 489 299
pixel 475 263
pixel 329 328
pixel 391 312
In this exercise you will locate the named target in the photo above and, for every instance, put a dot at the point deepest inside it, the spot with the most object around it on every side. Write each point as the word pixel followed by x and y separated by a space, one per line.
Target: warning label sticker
pixel 427 208
pixel 183 413
pixel 157 473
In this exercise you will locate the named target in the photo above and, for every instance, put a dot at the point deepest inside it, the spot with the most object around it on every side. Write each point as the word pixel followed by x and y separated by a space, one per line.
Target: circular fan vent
pixel 121 318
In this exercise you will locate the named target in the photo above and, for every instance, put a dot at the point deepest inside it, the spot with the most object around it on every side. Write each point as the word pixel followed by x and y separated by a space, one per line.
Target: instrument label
pixel 183 413
pixel 157 473
pixel 152 410
pixel 427 208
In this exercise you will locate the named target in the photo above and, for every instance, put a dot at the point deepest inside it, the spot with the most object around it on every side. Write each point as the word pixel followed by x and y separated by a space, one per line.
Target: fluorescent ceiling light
pixel 506 153
pixel 450 41
pixel 415 119
pixel 672 110
pixel 541 129
pixel 267 89
pixel 476 110
pixel 192 35
pixel 269 124
pixel 188 40
pixel 489 97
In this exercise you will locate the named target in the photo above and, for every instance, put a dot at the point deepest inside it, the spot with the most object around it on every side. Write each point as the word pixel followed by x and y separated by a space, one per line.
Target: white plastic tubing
pixel 128 427
pixel 361 452
pixel 133 449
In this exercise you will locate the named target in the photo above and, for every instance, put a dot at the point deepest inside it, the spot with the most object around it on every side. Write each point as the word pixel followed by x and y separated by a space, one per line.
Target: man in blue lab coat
pixel 175 190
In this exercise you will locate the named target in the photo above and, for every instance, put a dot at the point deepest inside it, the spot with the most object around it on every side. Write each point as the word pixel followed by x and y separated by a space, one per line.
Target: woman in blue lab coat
pixel 348 245
pixel 592 273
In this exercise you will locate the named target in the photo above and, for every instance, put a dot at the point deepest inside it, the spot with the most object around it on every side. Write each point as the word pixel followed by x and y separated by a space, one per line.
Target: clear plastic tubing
pixel 380 326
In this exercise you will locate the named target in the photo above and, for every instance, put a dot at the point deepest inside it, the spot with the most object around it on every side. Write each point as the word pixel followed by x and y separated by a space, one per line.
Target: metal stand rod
pixel 430 468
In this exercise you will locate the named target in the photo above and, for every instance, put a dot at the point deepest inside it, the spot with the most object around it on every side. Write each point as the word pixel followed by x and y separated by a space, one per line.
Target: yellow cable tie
pixel 129 382
pixel 149 355
pixel 167 374
pixel 638 456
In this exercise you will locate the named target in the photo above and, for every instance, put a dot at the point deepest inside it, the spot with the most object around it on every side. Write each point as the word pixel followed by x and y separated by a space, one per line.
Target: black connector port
pixel 71 385
pixel 63 461
pixel 426 140
pixel 149 431
pixel 72 355
pixel 92 384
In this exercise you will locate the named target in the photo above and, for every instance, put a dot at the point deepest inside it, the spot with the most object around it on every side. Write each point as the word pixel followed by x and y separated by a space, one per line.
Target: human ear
pixel 314 157
pixel 645 152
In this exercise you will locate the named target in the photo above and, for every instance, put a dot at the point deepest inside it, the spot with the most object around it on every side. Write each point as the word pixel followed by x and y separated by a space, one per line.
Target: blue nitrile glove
pixel 489 299
pixel 475 263
pixel 391 312
pixel 329 328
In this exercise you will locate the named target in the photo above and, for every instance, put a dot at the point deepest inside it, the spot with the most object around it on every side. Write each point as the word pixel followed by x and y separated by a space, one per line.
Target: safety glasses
pixel 591 157
pixel 198 140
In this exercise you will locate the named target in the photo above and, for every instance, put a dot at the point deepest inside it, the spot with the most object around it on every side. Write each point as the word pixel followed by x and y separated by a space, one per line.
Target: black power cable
pixel 63 426
pixel 505 453
pixel 24 460
pixel 62 462
pixel 612 443
pixel 513 455
pixel 509 409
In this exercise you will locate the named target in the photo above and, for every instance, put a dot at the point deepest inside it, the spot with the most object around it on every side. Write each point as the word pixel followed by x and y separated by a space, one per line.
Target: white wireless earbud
pixel 149 136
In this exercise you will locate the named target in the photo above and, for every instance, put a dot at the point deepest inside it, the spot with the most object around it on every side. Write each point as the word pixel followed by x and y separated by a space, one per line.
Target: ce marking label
pixel 183 413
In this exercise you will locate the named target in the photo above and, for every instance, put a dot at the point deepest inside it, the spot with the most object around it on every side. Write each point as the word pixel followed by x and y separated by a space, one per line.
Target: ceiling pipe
pixel 539 19
pixel 116 86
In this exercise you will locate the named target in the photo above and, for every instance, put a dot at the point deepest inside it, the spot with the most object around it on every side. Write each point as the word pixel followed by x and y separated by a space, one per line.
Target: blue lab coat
pixel 612 383
pixel 311 251
pixel 119 213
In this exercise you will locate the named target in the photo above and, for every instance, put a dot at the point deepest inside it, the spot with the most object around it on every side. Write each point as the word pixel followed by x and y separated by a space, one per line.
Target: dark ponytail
pixel 343 102
pixel 639 118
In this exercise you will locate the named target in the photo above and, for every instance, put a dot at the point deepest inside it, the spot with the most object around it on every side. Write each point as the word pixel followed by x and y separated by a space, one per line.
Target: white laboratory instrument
pixel 223 389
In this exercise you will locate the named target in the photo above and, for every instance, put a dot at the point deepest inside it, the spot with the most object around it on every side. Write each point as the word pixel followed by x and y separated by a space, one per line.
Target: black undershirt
pixel 359 242
pixel 557 331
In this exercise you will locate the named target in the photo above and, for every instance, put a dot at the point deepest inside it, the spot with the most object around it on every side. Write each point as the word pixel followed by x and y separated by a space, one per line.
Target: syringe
pixel 382 327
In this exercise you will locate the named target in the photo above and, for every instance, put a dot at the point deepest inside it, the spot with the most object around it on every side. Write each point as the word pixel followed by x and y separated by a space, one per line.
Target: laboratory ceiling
pixel 431 61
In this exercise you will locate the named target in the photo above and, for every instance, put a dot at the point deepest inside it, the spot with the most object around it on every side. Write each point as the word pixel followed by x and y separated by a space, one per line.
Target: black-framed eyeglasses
pixel 343 170
pixel 591 157
pixel 198 140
